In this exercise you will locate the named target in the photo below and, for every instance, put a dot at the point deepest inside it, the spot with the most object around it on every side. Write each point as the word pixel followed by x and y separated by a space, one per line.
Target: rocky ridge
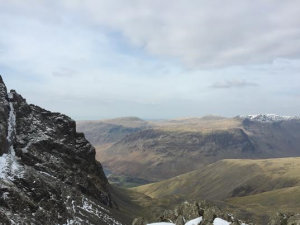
pixel 48 171
pixel 202 213
pixel 285 219
pixel 206 215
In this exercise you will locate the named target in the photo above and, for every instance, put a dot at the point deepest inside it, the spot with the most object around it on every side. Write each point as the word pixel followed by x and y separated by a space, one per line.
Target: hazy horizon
pixel 153 59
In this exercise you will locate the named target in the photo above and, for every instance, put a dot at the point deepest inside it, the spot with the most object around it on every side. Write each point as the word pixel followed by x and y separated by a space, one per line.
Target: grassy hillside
pixel 135 204
pixel 285 200
pixel 205 124
pixel 230 178
pixel 251 189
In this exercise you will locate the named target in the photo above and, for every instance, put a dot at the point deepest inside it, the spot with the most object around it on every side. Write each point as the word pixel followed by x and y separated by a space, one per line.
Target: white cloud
pixel 237 83
pixel 152 58
pixel 206 33
pixel 199 33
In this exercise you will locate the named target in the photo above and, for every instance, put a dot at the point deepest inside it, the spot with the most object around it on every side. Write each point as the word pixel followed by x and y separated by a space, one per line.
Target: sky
pixel 154 59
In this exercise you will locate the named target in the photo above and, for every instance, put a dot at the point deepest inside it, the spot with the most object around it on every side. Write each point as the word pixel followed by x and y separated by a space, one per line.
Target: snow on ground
pixel 9 167
pixel 219 221
pixel 161 223
pixel 11 128
pixel 196 221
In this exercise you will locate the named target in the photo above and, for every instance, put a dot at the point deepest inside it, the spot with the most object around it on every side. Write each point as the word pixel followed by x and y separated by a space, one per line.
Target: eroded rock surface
pixel 50 175
pixel 190 211
pixel 285 219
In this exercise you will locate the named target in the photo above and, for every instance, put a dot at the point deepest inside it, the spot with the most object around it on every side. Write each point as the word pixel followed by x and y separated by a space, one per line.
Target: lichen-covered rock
pixel 168 216
pixel 211 213
pixel 278 219
pixel 140 221
pixel 180 220
pixel 294 220
pixel 285 219
pixel 188 211
pixel 51 175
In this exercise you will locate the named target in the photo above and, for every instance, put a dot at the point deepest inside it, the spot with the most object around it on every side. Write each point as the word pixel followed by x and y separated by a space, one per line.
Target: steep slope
pixel 252 189
pixel 230 178
pixel 110 131
pixel 183 145
pixel 284 200
pixel 276 138
pixel 48 171
pixel 156 155
pixel 4 112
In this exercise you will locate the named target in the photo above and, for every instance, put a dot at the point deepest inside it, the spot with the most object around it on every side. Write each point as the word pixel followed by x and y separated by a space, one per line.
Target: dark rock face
pixel 51 176
pixel 4 111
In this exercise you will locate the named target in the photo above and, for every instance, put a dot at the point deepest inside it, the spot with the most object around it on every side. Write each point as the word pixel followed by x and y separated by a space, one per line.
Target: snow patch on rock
pixel 269 118
pixel 217 221
pixel 10 168
pixel 11 126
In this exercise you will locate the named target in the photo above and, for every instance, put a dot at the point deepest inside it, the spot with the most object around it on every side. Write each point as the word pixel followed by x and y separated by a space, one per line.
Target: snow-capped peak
pixel 269 118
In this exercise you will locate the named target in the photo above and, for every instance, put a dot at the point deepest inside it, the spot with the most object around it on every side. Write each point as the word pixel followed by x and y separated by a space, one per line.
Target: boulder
pixel 140 221
pixel 188 211
pixel 211 213
pixel 294 220
pixel 278 219
pixel 180 221
pixel 168 216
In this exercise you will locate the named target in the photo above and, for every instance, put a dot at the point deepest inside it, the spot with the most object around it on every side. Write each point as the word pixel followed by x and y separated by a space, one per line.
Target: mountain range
pixel 209 170
pixel 164 149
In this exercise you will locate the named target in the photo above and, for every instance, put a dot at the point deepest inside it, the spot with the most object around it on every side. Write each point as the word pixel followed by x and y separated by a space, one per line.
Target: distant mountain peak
pixel 268 118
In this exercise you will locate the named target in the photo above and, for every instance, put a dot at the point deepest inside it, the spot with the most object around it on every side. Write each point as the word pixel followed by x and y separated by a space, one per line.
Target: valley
pixel 183 145
pixel 243 165
pixel 143 112
pixel 206 169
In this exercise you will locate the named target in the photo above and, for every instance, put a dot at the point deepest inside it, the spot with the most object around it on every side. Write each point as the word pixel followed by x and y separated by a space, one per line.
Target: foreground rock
pixel 48 171
pixel 285 219
pixel 191 211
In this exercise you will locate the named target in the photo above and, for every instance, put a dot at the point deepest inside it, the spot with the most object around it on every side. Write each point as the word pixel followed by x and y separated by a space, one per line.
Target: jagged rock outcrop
pixel 189 211
pixel 285 219
pixel 140 221
pixel 4 111
pixel 48 171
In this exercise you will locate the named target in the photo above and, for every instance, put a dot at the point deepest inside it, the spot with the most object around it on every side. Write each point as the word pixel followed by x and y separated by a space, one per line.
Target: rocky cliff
pixel 202 213
pixel 48 171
